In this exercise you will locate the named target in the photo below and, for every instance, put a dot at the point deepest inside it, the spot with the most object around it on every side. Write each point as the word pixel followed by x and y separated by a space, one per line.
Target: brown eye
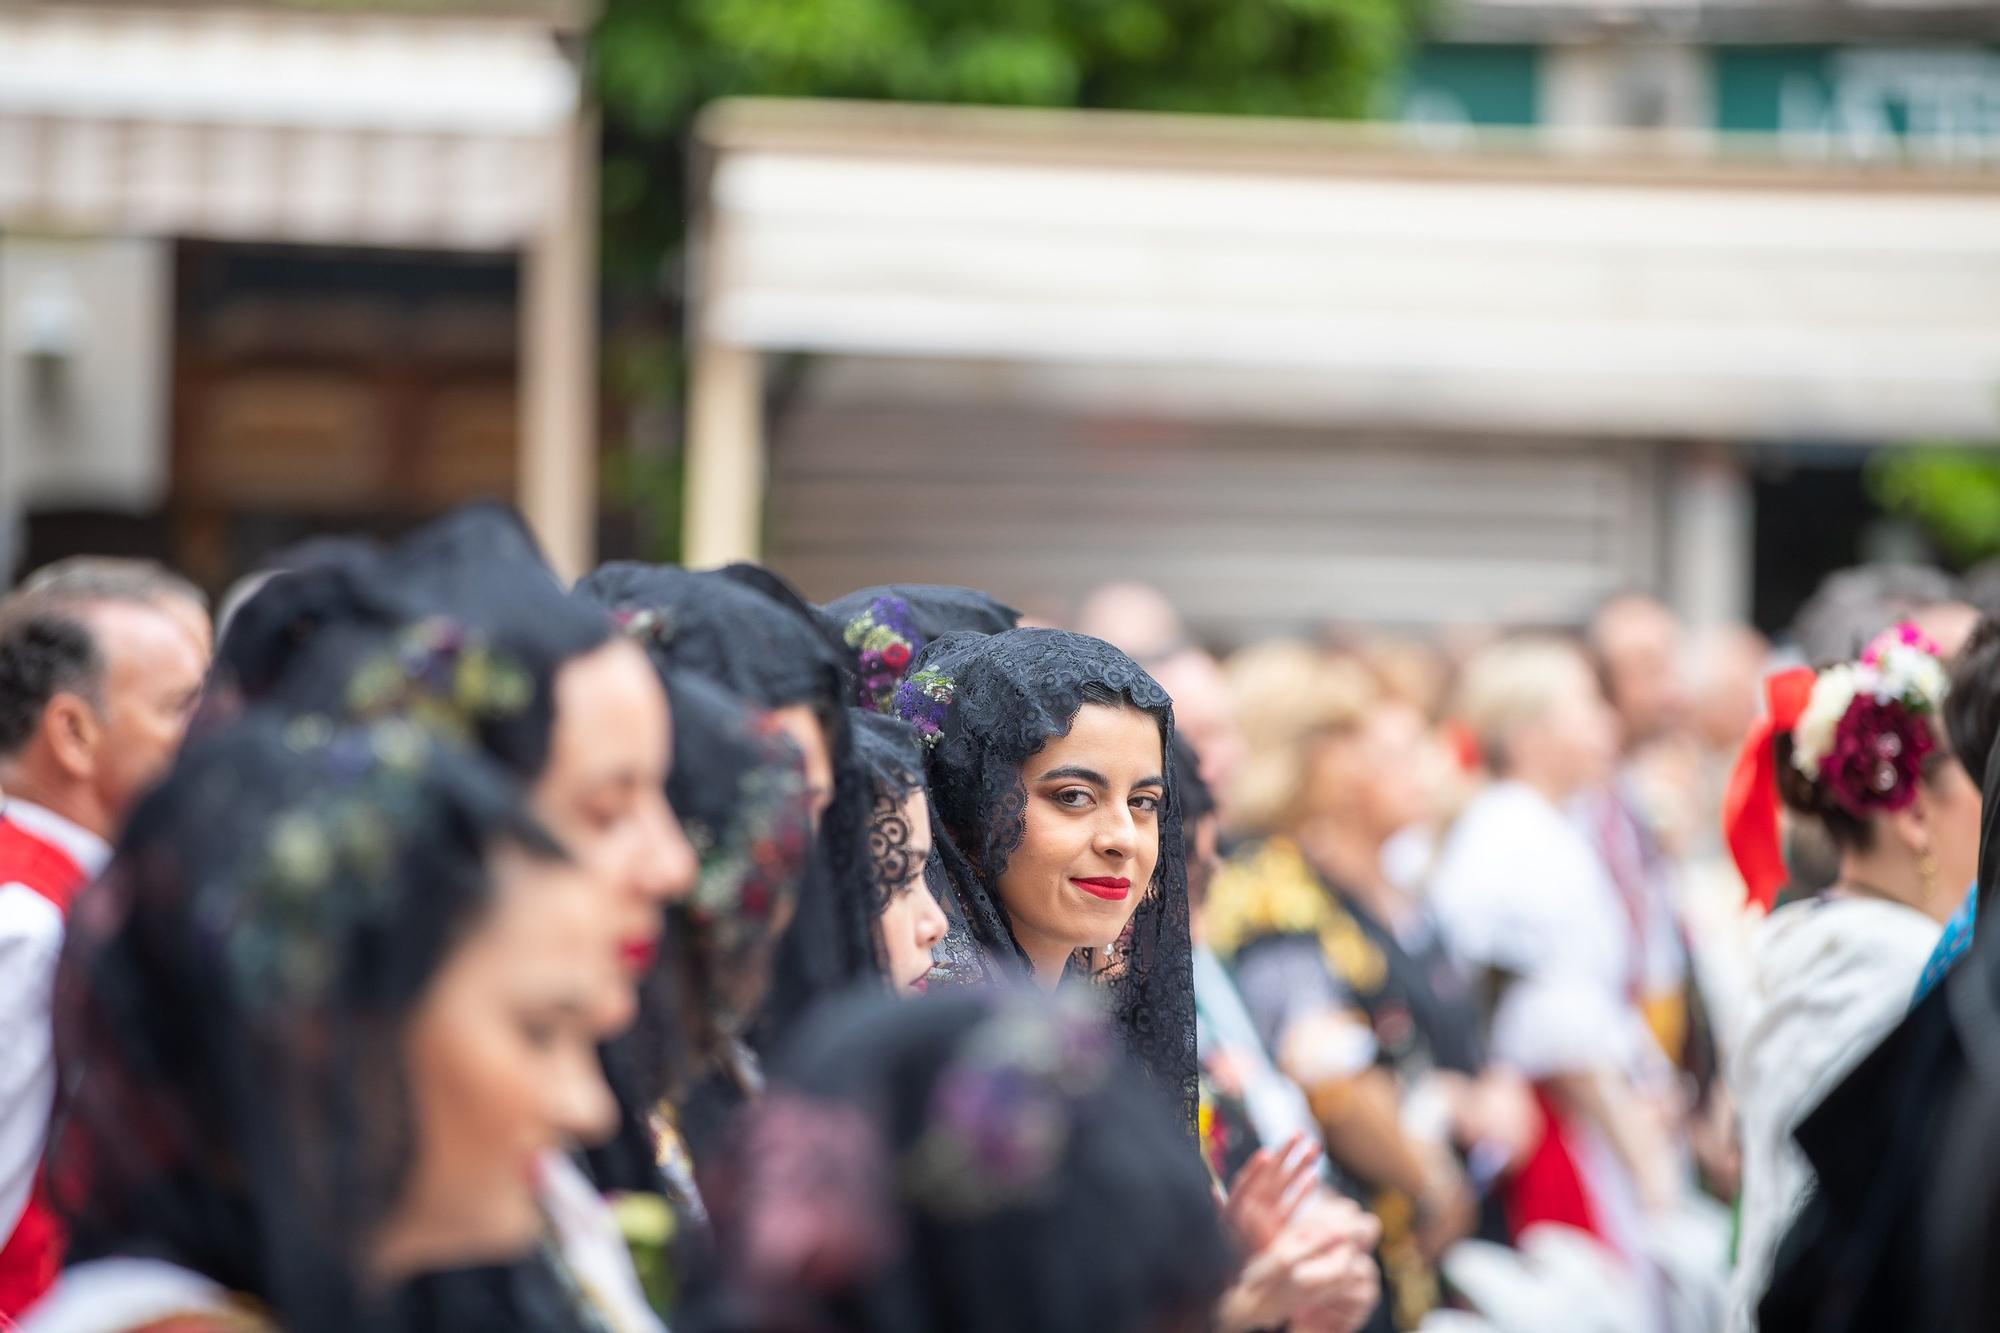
pixel 1147 803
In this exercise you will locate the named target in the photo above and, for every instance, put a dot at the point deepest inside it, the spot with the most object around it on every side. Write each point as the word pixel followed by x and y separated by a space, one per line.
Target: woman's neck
pixel 1548 786
pixel 1048 958
pixel 1889 875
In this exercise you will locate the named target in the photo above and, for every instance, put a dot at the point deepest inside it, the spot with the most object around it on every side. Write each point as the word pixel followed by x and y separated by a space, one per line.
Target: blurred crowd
pixel 437 946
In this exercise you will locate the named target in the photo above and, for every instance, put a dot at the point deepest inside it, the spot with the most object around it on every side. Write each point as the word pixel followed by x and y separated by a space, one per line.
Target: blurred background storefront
pixel 266 272
pixel 1606 295
pixel 1627 298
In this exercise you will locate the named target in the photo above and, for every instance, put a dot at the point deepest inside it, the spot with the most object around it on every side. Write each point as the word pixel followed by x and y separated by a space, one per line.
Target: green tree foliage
pixel 657 62
pixel 1952 490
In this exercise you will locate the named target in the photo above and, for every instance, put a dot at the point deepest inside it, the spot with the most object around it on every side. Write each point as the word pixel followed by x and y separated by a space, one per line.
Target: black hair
pixel 302 639
pixel 1197 801
pixel 232 996
pixel 46 649
pixel 1972 708
pixel 873 1091
pixel 1004 697
pixel 894 757
pixel 745 630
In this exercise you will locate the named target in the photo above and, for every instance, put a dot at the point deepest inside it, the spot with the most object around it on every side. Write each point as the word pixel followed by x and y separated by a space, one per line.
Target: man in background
pixel 101 665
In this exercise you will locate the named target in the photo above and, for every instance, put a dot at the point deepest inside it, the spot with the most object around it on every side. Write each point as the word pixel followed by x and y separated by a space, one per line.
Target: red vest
pixel 33 1255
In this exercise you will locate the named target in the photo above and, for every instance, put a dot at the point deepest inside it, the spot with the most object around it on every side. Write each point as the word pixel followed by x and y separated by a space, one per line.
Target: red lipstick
pixel 1108 887
pixel 638 953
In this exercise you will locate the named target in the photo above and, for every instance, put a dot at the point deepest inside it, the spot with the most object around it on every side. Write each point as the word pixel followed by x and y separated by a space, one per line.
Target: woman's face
pixel 502 1068
pixel 911 923
pixel 1396 763
pixel 801 725
pixel 601 794
pixel 1091 836
pixel 1575 740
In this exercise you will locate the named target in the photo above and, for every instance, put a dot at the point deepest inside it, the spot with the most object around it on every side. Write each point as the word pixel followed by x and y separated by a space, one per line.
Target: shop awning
pixel 440 132
pixel 1305 272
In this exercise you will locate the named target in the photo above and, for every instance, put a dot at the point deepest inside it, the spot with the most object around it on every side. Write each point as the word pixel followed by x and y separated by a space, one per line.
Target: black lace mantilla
pixel 1009 694
pixel 889 750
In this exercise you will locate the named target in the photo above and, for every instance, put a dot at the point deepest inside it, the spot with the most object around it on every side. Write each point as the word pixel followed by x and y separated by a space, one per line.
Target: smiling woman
pixel 1058 834
pixel 1092 832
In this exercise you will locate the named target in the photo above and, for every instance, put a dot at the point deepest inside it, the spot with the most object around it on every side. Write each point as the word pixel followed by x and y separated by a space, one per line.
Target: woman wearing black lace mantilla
pixel 1058 832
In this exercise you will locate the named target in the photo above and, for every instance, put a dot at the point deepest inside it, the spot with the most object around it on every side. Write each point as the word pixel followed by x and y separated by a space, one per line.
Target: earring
pixel 1927 867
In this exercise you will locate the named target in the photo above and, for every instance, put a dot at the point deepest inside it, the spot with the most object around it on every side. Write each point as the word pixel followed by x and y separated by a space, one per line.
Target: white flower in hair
pixel 1900 666
pixel 1832 695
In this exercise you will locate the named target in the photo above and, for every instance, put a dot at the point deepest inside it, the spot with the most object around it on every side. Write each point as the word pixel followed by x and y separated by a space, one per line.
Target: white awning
pixel 1330 276
pixel 337 128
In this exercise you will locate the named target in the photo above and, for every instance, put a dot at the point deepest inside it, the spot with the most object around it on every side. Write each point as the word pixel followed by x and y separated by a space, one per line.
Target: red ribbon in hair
pixel 1750 805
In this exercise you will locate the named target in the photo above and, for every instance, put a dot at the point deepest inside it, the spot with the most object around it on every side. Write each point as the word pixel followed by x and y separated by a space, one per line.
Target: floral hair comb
pixel 1001 1114
pixel 884 640
pixel 323 865
pixel 748 868
pixel 644 625
pixel 1863 734
pixel 812 1200
pixel 442 674
pixel 924 701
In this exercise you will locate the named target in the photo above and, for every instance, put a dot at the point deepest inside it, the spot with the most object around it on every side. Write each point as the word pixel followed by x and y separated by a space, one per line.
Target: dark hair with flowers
pixel 884 639
pixel 441 674
pixel 962 1161
pixel 923 701
pixel 234 993
pixel 1001 1113
pixel 645 625
pixel 1868 734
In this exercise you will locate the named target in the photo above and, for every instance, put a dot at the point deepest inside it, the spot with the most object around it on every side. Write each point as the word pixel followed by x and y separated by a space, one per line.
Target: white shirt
pixel 31 936
pixel 1519 888
pixel 114 1295
pixel 1830 977
pixel 594 1249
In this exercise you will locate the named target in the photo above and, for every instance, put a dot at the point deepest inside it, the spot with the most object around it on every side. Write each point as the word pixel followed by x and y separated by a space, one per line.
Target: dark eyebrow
pixel 1078 772
pixel 1154 781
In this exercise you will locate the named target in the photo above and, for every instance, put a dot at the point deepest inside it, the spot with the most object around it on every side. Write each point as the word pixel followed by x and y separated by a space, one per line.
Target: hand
pixel 1352 1288
pixel 1712 1138
pixel 1268 1189
pixel 1314 1263
pixel 1447 1211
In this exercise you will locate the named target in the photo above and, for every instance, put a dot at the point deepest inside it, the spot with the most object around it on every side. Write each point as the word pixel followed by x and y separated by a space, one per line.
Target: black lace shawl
pixel 873 623
pixel 771 649
pixel 976 1161
pixel 986 703
pixel 894 757
pixel 738 788
pixel 232 1000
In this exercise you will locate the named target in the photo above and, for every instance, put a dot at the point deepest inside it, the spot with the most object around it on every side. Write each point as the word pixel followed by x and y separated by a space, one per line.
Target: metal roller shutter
pixel 1251 528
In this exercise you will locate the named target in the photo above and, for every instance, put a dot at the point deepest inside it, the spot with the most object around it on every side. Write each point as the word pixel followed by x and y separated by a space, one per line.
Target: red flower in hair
pixel 896 656
pixel 1878 751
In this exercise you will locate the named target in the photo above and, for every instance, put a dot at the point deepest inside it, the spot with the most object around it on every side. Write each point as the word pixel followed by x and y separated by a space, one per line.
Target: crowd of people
pixel 436 946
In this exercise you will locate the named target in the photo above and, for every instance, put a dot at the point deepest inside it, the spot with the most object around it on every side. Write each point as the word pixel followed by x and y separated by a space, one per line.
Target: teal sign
pixel 1930 103
pixel 1467 85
